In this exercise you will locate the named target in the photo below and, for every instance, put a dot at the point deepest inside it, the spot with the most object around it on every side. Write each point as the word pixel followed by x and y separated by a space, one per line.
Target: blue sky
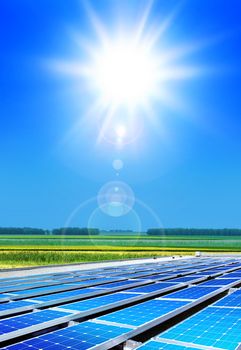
pixel 188 174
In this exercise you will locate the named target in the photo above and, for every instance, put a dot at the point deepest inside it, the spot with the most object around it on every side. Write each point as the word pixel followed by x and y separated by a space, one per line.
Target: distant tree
pixel 21 231
pixel 75 231
pixel 193 232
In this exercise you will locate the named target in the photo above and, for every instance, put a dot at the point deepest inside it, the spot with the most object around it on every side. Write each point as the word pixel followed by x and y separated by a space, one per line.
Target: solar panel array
pixel 105 307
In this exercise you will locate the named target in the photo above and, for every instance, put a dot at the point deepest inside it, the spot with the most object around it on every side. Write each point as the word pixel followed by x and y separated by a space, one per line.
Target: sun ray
pixel 130 72
pixel 100 30
pixel 143 21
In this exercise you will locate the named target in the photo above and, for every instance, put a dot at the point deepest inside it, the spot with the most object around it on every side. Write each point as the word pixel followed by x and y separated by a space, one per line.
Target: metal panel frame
pixel 156 322
pixel 40 305
pixel 80 315
pixel 61 289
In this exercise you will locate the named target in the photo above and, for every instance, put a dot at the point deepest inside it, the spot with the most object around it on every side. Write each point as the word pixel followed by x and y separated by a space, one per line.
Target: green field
pixel 43 250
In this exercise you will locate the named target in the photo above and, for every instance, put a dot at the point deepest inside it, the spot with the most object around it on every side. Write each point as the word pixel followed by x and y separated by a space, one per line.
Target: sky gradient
pixel 186 173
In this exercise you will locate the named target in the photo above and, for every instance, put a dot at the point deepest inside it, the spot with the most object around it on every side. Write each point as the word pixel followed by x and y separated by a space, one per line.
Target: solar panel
pixel 232 275
pixel 158 345
pixel 14 305
pixel 19 322
pixel 116 284
pixel 139 317
pixel 186 279
pixel 72 293
pixel 191 293
pixel 82 336
pixel 97 302
pixel 152 287
pixel 212 272
pixel 219 282
pixel 62 287
pixel 45 289
pixel 225 268
pixel 145 312
pixel 231 300
pixel 213 326
pixel 157 277
pixel 184 270
pixel 19 286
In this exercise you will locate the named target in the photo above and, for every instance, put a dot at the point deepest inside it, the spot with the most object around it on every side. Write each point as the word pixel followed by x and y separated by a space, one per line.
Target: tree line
pixel 78 231
pixel 193 232
pixel 75 231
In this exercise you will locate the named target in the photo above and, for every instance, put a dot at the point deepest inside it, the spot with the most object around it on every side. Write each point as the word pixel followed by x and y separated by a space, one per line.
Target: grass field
pixel 43 250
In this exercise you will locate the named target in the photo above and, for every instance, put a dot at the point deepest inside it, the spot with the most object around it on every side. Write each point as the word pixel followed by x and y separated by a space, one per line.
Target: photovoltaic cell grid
pixel 232 275
pixel 26 286
pixel 156 277
pixel 19 322
pixel 152 287
pixel 145 312
pixel 191 293
pixel 61 287
pixel 15 304
pixel 116 284
pixel 232 300
pixel 80 337
pixel 17 286
pixel 83 291
pixel 213 326
pixel 46 289
pixel 97 302
pixel 186 279
pixel 62 295
pixel 220 282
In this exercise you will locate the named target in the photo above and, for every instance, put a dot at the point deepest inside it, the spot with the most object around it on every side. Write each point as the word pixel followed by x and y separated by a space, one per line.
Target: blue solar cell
pixel 46 289
pixel 186 278
pixel 184 270
pixel 191 293
pixel 158 345
pixel 120 274
pixel 152 287
pixel 97 302
pixel 23 281
pixel 19 286
pixel 225 268
pixel 19 322
pixel 213 326
pixel 157 277
pixel 211 272
pixel 145 312
pixel 62 287
pixel 15 304
pixel 80 337
pixel 116 284
pixel 72 293
pixel 231 300
pixel 219 282
pixel 232 275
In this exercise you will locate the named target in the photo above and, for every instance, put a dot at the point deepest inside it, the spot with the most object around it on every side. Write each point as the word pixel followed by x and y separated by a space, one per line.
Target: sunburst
pixel 128 72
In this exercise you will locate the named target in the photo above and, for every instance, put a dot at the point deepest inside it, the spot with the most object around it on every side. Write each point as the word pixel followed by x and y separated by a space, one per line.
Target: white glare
pixel 124 74
pixel 127 72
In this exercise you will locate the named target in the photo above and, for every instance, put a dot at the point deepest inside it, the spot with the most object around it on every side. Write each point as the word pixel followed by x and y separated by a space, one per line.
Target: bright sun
pixel 127 73
pixel 124 74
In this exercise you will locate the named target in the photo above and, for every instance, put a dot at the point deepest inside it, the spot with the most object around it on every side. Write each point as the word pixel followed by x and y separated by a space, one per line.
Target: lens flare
pixel 116 198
